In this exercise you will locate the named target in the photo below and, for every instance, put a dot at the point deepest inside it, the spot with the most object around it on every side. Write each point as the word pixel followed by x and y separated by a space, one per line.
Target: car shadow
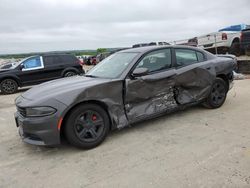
pixel 66 148
pixel 156 121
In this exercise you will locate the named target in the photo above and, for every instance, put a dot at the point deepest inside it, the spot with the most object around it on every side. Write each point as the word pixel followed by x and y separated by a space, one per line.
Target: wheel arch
pixel 225 78
pixel 96 102
pixel 13 78
pixel 73 69
pixel 234 40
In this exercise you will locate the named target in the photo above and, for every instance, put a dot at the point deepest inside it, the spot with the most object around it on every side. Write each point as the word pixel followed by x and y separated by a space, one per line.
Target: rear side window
pixel 51 60
pixel 200 56
pixel 66 59
pixel 185 57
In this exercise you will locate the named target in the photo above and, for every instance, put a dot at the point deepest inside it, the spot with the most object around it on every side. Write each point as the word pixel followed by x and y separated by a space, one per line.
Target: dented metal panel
pixel 167 90
pixel 193 82
pixel 150 94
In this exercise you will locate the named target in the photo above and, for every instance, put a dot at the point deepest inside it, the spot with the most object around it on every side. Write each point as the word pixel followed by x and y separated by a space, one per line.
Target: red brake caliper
pixel 94 117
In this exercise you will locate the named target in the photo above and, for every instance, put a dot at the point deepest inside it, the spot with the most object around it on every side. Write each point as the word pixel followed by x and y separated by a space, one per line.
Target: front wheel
pixel 217 95
pixel 87 126
pixel 8 86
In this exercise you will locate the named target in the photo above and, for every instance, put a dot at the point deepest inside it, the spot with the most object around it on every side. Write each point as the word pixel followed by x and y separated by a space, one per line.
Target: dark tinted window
pixel 51 60
pixel 68 59
pixel 156 60
pixel 48 60
pixel 152 44
pixel 185 57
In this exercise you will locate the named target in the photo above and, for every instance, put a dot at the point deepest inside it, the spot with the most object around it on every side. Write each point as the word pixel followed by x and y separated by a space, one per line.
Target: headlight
pixel 39 111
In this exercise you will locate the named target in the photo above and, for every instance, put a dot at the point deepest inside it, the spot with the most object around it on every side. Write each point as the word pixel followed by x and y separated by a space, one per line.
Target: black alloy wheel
pixel 8 86
pixel 218 94
pixel 87 126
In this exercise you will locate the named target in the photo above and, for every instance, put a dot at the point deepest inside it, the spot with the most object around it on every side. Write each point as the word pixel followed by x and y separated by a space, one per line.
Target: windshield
pixel 113 66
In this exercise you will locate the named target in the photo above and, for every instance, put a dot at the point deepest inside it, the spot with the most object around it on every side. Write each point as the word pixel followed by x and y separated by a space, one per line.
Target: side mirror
pixel 140 72
pixel 21 66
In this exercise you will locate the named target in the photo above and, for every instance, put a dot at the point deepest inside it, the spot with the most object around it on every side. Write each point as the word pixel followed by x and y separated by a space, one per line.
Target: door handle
pixel 208 68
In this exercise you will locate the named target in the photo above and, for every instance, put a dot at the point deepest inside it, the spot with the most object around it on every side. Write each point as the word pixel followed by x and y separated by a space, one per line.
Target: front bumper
pixel 39 130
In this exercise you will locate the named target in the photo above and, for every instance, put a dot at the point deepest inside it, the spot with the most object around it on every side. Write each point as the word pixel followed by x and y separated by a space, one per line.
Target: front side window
pixel 32 63
pixel 156 60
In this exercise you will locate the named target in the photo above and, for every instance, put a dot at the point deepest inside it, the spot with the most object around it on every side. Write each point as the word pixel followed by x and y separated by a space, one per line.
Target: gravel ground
pixel 197 147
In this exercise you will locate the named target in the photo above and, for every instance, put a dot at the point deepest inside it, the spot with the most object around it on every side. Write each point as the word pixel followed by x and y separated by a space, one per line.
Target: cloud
pixel 45 25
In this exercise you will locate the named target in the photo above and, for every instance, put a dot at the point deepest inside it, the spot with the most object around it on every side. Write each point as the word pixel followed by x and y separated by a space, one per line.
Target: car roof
pixel 54 54
pixel 149 48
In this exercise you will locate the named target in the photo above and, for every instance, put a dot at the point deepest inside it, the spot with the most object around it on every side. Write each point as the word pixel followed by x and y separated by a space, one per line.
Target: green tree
pixel 101 50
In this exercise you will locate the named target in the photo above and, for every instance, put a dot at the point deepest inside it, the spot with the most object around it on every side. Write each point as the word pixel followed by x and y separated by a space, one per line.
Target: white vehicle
pixel 226 40
pixel 150 44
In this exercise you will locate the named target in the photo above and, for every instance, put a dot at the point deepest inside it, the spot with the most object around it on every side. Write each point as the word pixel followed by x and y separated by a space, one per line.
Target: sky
pixel 54 25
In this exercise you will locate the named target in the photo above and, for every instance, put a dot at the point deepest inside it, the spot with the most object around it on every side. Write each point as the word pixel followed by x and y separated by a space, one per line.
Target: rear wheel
pixel 87 126
pixel 235 48
pixel 69 74
pixel 247 52
pixel 218 94
pixel 8 86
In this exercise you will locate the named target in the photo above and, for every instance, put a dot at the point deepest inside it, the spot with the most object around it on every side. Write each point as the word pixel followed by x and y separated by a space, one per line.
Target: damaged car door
pixel 150 85
pixel 195 76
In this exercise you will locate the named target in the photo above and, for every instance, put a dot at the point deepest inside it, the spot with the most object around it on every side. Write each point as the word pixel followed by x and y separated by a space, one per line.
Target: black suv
pixel 38 69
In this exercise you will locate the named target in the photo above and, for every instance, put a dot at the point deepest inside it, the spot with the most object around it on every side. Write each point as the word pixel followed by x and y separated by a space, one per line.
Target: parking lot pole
pixel 216 52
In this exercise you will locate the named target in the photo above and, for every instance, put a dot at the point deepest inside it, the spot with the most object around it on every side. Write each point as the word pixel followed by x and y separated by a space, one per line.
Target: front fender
pixel 109 94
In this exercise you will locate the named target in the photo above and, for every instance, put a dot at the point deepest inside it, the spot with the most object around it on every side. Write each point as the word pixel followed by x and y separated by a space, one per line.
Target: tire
pixel 69 74
pixel 247 52
pixel 87 126
pixel 217 95
pixel 8 86
pixel 235 49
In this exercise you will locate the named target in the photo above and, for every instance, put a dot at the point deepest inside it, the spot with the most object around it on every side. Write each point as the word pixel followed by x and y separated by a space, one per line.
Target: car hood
pixel 62 89
pixel 4 70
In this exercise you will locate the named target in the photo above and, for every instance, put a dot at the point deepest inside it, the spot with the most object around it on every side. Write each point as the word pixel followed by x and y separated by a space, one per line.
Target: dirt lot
pixel 193 148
